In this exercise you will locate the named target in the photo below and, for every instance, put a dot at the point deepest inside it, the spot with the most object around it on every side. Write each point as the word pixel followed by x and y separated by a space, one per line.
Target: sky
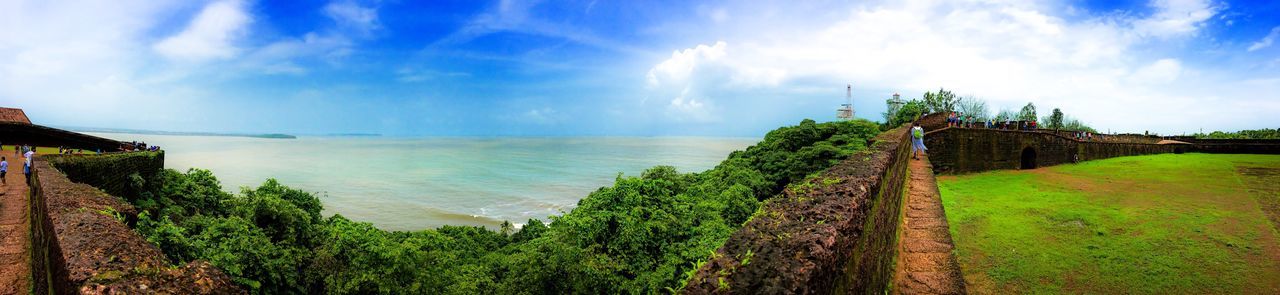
pixel 628 68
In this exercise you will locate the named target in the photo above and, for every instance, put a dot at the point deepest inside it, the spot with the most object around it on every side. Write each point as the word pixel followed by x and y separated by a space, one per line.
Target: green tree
pixel 643 234
pixel 1055 120
pixel 1005 115
pixel 908 113
pixel 1028 113
pixel 942 101
pixel 1072 124
pixel 973 106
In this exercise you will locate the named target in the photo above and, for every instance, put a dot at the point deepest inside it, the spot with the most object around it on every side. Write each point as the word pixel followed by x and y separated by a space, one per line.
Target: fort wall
pixel 963 150
pixel 36 135
pixel 123 174
pixel 835 233
pixel 84 243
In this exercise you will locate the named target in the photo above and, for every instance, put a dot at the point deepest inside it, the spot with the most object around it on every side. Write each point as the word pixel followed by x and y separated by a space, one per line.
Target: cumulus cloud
pixel 1176 17
pixel 353 22
pixel 1162 71
pixel 210 35
pixel 1009 52
pixel 1265 41
pixel 691 75
pixel 353 16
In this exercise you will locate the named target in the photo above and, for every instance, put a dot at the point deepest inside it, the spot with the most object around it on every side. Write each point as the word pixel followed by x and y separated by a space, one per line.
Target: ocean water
pixel 420 183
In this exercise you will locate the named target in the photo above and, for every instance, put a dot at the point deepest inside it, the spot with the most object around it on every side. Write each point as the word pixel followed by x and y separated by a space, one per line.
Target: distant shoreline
pixel 178 133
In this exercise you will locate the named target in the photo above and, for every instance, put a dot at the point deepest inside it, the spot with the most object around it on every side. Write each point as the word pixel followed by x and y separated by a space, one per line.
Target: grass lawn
pixel 8 150
pixel 1161 224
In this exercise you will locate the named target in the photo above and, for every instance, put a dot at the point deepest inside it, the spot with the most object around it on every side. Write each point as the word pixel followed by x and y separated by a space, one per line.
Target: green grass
pixel 1149 224
pixel 8 150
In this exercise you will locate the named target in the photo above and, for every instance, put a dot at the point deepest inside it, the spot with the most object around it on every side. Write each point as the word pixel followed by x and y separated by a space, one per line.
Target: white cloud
pixel 689 76
pixel 210 35
pixel 1265 41
pixel 515 16
pixel 1097 69
pixel 542 116
pixel 353 23
pixel 353 16
pixel 1162 71
pixel 1176 17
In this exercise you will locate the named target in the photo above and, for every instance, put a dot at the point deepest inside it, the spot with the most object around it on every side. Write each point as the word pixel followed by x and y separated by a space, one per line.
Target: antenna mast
pixel 845 112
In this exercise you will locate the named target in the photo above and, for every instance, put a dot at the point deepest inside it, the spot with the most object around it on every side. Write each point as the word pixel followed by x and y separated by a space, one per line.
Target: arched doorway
pixel 1028 158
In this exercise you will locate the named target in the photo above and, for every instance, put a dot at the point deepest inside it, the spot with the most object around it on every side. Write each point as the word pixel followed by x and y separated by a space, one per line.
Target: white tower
pixel 895 104
pixel 845 112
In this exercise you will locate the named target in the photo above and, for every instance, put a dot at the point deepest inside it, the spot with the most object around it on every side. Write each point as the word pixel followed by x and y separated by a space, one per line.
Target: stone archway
pixel 1028 158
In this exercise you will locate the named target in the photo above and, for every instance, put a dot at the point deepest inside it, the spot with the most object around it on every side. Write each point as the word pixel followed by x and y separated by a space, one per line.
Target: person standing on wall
pixel 917 140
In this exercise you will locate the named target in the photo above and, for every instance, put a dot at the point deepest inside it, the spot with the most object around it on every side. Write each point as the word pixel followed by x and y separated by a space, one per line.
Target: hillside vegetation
pixel 644 234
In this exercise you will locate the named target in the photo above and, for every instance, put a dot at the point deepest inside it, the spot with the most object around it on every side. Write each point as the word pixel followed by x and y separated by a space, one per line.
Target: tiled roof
pixel 13 115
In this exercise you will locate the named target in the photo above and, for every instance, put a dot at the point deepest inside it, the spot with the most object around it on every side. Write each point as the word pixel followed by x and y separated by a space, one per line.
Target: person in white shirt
pixel 4 169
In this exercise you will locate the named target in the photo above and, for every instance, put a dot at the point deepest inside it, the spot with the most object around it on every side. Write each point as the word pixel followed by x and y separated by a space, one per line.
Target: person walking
pixel 4 169
pixel 917 140
pixel 30 154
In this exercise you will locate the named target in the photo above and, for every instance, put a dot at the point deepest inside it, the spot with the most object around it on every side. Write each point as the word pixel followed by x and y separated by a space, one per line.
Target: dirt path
pixel 15 236
pixel 925 262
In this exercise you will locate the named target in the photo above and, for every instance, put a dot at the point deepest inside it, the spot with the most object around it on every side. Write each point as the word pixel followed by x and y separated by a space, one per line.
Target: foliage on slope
pixel 641 235
pixel 1242 134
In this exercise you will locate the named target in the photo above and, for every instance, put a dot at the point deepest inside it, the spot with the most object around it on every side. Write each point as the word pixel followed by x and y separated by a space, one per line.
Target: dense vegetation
pixel 644 234
pixel 1242 134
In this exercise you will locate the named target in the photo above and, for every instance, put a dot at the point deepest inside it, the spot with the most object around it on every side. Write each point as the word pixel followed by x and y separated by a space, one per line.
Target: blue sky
pixel 721 68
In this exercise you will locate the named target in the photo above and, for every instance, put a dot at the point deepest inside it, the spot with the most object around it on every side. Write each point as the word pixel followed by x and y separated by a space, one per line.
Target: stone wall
pixel 835 233
pixel 933 121
pixel 123 174
pixel 36 135
pixel 962 150
pixel 88 247
pixel 1232 146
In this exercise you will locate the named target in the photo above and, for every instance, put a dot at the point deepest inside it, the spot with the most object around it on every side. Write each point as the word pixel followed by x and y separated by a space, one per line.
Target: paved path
pixel 15 236
pixel 925 262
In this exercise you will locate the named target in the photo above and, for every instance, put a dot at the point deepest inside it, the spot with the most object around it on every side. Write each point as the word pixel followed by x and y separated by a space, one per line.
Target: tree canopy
pixel 941 101
pixel 1054 121
pixel 643 234
pixel 1028 113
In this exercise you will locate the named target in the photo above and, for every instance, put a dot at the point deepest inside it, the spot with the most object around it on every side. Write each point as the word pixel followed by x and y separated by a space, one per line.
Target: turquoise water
pixel 420 183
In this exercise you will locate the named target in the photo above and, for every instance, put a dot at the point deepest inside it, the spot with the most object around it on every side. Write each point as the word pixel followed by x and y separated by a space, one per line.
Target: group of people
pixel 69 151
pixel 1084 135
pixel 27 152
pixel 137 146
pixel 960 120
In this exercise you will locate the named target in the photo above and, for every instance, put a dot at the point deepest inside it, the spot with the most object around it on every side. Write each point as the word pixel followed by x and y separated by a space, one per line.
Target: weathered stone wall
pixel 958 150
pixel 835 233
pixel 1102 150
pixel 36 135
pixel 962 150
pixel 933 121
pixel 91 250
pixel 1116 138
pixel 42 247
pixel 123 174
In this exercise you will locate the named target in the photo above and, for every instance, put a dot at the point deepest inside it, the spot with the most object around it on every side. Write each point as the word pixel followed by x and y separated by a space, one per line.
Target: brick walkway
pixel 925 262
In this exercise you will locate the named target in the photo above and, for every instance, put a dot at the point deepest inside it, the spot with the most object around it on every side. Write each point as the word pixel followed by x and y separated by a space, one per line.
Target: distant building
pixel 12 115
pixel 16 128
pixel 845 112
pixel 895 104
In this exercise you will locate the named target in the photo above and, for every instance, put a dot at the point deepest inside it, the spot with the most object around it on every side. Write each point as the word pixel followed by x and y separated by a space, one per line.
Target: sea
pixel 423 183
